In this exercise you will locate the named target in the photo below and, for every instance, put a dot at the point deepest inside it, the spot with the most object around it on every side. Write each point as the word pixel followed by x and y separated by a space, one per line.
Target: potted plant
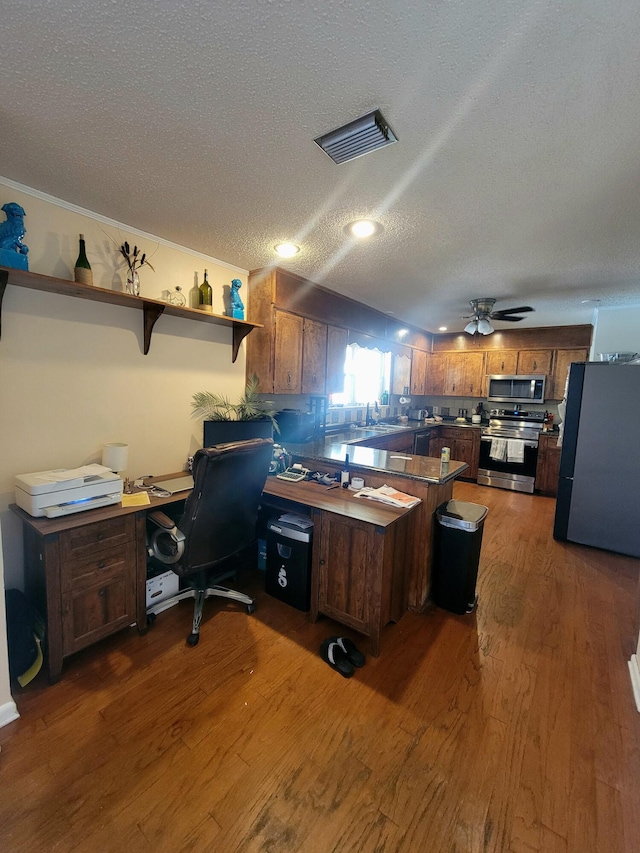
pixel 250 417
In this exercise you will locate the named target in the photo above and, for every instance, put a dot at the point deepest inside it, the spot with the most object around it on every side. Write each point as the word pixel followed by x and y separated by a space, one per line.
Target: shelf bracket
pixel 4 278
pixel 151 313
pixel 240 332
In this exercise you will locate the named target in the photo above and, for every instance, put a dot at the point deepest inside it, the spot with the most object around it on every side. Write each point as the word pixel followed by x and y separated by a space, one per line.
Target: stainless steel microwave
pixel 516 389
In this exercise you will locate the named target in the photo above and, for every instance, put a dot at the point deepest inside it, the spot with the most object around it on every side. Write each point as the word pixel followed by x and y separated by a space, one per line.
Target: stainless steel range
pixel 509 450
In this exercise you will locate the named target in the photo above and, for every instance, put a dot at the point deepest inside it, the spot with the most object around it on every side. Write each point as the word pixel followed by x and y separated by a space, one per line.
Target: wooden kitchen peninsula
pixel 422 476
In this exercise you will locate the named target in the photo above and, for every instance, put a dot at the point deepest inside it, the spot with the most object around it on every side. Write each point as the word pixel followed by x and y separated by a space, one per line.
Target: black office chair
pixel 219 521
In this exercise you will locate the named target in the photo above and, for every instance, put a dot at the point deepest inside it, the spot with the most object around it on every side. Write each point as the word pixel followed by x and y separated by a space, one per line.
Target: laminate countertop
pixel 332 450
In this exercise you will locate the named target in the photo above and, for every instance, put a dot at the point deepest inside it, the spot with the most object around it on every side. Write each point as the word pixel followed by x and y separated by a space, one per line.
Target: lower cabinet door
pixel 102 602
pixel 347 561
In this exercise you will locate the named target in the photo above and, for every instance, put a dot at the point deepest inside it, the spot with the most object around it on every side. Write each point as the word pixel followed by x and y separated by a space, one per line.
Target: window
pixel 367 374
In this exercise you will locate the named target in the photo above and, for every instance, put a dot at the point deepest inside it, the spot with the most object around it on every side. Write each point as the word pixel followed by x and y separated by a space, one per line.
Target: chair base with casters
pixel 200 594
pixel 218 524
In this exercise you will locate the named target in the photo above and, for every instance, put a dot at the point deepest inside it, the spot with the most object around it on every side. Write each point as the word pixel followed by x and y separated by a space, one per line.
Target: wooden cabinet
pixel 97 580
pixel 336 355
pixel 464 374
pixel 562 359
pixel 401 374
pixel 418 372
pixel 548 467
pixel 287 367
pixel 534 361
pixel 314 357
pixel 357 574
pixel 436 374
pixel 501 362
pixel 83 577
pixel 464 443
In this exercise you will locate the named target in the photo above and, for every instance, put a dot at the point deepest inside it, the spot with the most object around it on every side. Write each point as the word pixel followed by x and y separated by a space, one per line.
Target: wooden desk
pixel 359 555
pixel 87 573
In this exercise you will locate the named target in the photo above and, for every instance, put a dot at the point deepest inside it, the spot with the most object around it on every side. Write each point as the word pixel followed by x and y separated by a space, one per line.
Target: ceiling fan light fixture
pixel 484 326
pixel 471 328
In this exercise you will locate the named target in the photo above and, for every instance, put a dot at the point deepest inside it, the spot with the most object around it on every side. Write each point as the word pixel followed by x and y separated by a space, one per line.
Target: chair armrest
pixel 161 519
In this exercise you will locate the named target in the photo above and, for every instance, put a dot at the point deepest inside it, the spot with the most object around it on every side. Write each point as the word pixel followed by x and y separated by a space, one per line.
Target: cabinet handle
pixel 289 378
pixel 101 564
pixel 502 365
pixel 535 365
pixel 315 379
pixel 100 537
pixel 102 593
pixel 322 562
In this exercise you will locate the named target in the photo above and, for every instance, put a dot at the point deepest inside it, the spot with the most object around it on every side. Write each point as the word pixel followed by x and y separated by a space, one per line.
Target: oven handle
pixel 523 440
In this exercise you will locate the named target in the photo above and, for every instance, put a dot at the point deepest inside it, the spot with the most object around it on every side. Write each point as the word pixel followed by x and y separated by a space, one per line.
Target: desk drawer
pixel 98 568
pixel 94 538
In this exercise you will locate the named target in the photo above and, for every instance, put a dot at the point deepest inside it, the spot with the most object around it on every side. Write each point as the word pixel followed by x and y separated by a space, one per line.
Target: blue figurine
pixel 13 252
pixel 236 304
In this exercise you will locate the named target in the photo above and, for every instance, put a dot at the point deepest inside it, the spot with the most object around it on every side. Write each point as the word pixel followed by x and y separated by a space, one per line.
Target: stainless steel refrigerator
pixel 598 501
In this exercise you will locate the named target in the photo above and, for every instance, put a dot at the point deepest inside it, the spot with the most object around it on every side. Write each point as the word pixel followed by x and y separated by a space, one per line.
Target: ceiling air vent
pixel 360 136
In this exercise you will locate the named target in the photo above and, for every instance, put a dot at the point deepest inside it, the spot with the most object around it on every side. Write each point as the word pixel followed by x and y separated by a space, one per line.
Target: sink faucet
pixel 369 420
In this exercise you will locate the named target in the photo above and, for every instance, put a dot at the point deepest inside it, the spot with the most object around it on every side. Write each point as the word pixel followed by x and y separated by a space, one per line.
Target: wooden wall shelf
pixel 152 308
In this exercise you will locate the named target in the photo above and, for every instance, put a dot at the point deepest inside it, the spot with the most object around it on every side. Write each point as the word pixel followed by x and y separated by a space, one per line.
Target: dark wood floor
pixel 513 729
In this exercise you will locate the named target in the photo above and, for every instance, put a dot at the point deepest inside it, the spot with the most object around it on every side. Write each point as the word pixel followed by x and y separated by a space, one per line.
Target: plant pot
pixel 222 432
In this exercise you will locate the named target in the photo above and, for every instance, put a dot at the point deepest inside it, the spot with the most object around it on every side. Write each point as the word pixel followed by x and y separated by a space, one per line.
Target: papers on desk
pixel 136 499
pixel 388 495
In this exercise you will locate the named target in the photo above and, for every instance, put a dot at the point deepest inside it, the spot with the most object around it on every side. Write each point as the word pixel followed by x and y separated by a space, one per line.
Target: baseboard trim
pixel 8 713
pixel 634 671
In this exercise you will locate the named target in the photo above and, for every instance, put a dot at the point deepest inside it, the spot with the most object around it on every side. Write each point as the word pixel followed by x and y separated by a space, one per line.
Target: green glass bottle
pixel 205 296
pixel 82 272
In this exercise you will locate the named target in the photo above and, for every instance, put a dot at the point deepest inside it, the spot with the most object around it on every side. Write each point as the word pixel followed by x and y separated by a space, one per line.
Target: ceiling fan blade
pixel 507 318
pixel 523 309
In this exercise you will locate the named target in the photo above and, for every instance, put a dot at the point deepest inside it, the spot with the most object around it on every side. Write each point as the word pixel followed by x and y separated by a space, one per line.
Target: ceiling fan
pixel 479 321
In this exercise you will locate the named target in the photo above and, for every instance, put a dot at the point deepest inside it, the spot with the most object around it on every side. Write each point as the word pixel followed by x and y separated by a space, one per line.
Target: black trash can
pixel 288 572
pixel 457 555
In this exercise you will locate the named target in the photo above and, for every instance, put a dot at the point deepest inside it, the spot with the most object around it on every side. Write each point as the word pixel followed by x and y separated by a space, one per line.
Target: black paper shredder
pixel 288 572
pixel 457 555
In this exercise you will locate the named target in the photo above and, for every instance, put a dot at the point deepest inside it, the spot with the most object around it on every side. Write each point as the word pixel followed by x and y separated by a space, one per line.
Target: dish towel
pixel 515 450
pixel 498 449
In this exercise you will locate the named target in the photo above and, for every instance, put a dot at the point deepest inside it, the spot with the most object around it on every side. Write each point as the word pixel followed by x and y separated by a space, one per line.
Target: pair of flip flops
pixel 341 654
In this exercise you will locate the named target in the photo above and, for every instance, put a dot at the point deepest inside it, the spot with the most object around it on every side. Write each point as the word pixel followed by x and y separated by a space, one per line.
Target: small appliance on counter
pixel 295 425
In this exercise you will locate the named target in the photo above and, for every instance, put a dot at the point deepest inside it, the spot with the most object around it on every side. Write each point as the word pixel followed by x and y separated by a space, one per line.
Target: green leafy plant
pixel 250 407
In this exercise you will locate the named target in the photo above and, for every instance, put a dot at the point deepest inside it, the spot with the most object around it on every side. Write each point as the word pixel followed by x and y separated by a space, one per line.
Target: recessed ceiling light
pixel 363 228
pixel 286 250
pixel 442 328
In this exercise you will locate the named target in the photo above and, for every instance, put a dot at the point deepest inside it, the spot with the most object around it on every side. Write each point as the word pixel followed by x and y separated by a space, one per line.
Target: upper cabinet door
pixel 436 370
pixel 401 374
pixel 473 374
pixel 563 358
pixel 502 362
pixel 454 384
pixel 418 371
pixel 287 368
pixel 336 355
pixel 314 357
pixel 534 361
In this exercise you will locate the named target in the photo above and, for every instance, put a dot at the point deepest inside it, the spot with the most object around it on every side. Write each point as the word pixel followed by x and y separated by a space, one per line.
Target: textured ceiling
pixel 516 174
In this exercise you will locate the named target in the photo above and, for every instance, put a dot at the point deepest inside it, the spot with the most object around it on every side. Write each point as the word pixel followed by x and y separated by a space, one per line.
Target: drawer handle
pixel 101 564
pixel 100 537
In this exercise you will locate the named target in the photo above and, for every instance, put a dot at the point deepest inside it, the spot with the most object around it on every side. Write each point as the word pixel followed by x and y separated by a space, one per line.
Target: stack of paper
pixel 388 495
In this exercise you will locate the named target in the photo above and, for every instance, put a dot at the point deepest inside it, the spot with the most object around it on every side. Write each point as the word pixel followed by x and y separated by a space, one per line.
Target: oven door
pixel 517 476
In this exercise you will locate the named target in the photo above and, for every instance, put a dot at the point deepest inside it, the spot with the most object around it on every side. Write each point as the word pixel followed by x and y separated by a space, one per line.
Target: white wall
pixel 616 330
pixel 72 373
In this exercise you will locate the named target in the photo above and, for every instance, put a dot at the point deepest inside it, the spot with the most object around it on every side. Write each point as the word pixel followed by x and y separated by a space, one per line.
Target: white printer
pixel 63 491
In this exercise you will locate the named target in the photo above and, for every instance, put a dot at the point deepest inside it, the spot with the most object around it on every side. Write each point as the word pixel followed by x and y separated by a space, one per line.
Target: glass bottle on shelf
pixel 205 296
pixel 82 272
